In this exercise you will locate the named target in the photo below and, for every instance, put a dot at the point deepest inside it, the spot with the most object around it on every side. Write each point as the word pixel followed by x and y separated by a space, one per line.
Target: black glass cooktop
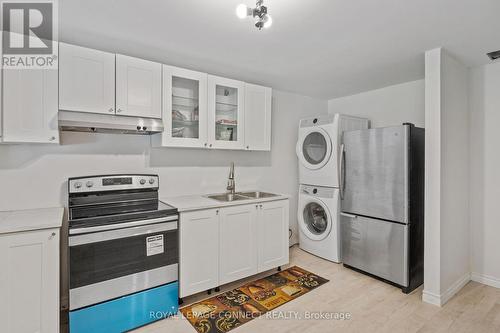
pixel 120 212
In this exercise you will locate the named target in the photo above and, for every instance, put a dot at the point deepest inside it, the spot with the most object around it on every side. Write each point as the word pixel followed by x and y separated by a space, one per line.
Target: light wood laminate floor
pixel 373 306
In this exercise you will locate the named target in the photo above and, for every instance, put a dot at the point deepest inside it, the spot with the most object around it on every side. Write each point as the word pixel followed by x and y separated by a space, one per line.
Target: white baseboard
pixel 486 279
pixel 431 298
pixel 442 299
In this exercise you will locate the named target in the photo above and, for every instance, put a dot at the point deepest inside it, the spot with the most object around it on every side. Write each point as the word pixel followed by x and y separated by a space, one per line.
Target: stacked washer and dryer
pixel 320 169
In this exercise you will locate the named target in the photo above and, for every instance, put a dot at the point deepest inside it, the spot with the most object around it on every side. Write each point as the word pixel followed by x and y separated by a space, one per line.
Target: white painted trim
pixel 442 299
pixel 486 279
pixel 455 288
pixel 431 298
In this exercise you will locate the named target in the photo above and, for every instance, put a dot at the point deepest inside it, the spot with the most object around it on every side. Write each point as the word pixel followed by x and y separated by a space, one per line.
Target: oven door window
pixel 95 258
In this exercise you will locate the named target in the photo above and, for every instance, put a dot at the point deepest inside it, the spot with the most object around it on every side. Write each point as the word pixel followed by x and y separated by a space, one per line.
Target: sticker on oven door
pixel 154 245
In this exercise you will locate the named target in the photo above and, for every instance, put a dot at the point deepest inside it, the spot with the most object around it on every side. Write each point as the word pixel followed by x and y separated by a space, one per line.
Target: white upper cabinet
pixel 138 87
pixel 86 80
pixel 184 108
pixel 30 106
pixel 226 118
pixel 257 117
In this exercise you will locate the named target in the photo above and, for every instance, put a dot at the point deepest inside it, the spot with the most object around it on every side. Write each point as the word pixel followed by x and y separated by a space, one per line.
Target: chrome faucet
pixel 231 186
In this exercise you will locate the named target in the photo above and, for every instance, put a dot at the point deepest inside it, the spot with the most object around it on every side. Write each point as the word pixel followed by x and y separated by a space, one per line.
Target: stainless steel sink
pixel 227 197
pixel 257 194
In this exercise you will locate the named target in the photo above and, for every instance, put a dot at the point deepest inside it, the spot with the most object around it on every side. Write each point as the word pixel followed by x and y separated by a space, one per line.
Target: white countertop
pixel 32 219
pixel 187 203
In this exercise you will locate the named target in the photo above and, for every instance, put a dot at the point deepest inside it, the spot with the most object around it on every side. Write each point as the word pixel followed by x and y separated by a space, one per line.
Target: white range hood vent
pixel 103 123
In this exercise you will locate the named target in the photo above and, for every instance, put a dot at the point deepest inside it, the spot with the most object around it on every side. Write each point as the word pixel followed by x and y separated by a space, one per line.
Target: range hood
pixel 103 123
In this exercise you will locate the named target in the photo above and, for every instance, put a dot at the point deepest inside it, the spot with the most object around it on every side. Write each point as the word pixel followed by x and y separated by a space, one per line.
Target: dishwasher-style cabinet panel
pixel 184 109
pixel 226 113
pixel 86 80
pixel 258 104
pixel 30 106
pixel 199 251
pixel 238 243
pixel 138 87
pixel 272 234
pixel 29 282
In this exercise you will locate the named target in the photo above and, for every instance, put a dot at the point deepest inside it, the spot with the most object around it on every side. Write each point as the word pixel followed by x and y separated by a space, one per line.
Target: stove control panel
pixel 112 183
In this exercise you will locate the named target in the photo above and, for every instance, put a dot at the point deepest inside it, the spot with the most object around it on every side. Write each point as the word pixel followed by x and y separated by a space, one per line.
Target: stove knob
pixel 78 185
pixel 142 181
pixel 151 181
pixel 89 184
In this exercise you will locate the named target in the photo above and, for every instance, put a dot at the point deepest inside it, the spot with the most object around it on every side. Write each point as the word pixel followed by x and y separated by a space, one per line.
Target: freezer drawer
pixel 375 246
pixel 375 166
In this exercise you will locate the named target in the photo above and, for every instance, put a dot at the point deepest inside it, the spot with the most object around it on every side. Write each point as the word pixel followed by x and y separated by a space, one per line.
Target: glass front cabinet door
pixel 225 113
pixel 184 108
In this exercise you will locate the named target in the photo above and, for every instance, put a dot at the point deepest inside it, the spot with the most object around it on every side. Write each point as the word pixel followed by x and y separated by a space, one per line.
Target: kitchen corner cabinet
pixel 218 246
pixel 138 87
pixel 258 104
pixel 226 113
pixel 29 281
pixel 86 80
pixel 30 106
pixel 184 109
pixel 199 250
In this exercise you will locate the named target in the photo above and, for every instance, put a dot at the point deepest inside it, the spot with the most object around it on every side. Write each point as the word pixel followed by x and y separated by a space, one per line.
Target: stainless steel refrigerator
pixel 382 191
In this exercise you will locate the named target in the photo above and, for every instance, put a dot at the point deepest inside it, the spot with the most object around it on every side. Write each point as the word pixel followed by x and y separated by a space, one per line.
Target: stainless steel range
pixel 123 253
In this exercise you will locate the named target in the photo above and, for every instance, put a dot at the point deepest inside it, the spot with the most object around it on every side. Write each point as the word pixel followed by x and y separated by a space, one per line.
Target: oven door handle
pixel 77 231
pixel 121 233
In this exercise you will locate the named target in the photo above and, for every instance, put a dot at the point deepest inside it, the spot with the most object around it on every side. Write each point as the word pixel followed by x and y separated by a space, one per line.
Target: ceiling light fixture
pixel 262 18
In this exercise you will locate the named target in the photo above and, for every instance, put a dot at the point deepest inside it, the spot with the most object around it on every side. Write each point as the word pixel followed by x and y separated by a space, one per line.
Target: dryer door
pixel 315 219
pixel 314 148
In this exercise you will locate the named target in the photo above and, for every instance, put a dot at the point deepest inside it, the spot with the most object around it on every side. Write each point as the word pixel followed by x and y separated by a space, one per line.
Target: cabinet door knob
pixel 111 110
pixel 260 206
pixel 52 235
pixel 206 144
pixel 119 110
pixel 52 138
pixel 210 145
pixel 217 212
pixel 248 147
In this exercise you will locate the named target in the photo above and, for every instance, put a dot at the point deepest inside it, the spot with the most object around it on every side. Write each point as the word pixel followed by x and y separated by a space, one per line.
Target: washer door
pixel 314 219
pixel 314 148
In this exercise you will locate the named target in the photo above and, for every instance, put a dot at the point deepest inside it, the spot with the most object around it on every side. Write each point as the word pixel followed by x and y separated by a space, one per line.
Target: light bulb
pixel 241 11
pixel 268 22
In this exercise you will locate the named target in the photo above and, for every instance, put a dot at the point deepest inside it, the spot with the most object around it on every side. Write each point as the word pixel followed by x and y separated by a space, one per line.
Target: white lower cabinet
pixel 199 250
pixel 272 234
pixel 29 282
pixel 237 243
pixel 218 246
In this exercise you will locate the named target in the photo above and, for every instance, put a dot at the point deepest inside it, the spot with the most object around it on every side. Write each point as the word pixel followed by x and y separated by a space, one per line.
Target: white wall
pixel 33 176
pixel 447 267
pixel 389 106
pixel 484 174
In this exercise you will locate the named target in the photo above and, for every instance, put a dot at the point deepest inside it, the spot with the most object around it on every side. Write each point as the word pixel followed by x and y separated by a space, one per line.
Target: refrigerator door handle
pixel 349 215
pixel 341 172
